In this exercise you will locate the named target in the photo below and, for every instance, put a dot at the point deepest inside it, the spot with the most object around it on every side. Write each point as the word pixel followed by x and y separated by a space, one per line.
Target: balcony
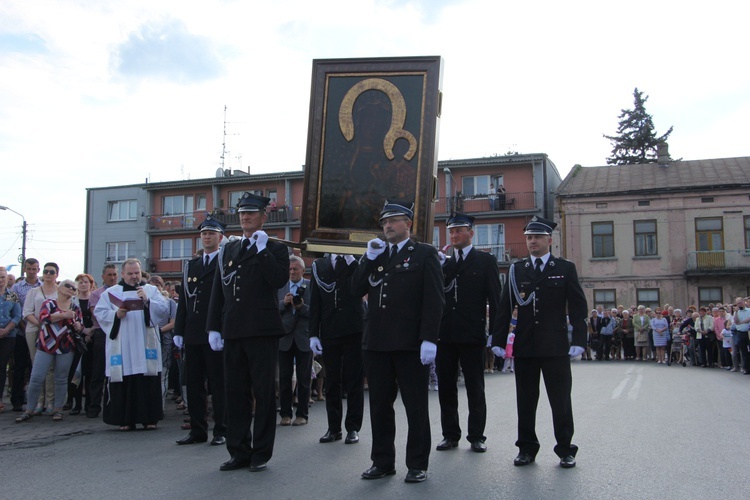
pixel 187 222
pixel 718 262
pixel 481 203
pixel 506 253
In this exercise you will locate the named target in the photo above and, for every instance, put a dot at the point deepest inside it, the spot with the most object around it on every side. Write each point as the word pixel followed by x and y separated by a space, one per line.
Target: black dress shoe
pixel 260 466
pixel 415 476
pixel 446 444
pixel 330 437
pixel 234 464
pixel 568 462
pixel 352 437
pixel 218 440
pixel 478 446
pixel 376 472
pixel 190 439
pixel 523 459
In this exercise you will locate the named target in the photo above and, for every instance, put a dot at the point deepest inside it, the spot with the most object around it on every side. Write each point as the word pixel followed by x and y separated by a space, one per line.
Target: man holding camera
pixel 294 347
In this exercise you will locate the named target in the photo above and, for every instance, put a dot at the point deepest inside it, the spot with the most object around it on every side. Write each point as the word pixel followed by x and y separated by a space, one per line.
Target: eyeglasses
pixel 70 287
pixel 49 271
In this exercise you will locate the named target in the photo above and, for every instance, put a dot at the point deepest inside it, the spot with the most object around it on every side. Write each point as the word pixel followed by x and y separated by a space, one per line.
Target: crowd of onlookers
pixel 48 322
pixel 715 335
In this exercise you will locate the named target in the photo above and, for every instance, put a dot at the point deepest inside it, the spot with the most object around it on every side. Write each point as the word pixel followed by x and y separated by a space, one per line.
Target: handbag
pixel 78 341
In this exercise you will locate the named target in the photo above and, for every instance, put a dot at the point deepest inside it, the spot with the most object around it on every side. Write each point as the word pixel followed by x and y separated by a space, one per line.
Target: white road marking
pixel 633 393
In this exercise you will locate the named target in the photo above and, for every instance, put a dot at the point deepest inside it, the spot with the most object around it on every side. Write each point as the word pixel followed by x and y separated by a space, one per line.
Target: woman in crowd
pixel 32 307
pixel 641 326
pixel 85 284
pixel 10 316
pixel 660 329
pixel 55 345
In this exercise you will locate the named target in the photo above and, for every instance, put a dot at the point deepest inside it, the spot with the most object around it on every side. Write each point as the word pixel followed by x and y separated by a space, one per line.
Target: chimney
pixel 662 154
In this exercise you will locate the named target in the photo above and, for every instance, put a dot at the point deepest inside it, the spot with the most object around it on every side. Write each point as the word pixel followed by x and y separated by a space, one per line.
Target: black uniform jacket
pixel 405 298
pixel 542 328
pixel 243 303
pixel 296 321
pixel 469 288
pixel 192 305
pixel 334 311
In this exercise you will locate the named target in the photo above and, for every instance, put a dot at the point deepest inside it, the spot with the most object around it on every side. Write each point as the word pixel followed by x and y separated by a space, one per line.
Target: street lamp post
pixel 450 194
pixel 23 240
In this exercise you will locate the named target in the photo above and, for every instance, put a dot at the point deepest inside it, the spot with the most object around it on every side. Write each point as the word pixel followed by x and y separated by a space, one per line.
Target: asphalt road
pixel 644 431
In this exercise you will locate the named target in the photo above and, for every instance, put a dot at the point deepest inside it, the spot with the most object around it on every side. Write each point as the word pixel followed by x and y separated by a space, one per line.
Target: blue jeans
pixel 42 363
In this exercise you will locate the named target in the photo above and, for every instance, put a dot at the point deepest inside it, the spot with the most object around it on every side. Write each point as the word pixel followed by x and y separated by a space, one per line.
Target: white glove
pixel 215 340
pixel 427 352
pixel 178 341
pixel 498 351
pixel 442 256
pixel 375 247
pixel 315 345
pixel 261 240
pixel 575 351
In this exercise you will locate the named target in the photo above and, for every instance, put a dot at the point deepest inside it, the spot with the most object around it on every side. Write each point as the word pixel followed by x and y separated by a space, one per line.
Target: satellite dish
pixel 219 172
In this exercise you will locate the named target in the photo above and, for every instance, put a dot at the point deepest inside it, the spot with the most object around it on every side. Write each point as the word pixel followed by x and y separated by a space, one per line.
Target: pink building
pixel 667 232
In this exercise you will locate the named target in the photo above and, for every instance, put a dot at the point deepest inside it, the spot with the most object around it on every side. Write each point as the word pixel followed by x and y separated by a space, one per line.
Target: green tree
pixel 636 139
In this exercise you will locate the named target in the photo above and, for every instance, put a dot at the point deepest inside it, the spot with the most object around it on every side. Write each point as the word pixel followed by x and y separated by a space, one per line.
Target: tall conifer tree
pixel 636 139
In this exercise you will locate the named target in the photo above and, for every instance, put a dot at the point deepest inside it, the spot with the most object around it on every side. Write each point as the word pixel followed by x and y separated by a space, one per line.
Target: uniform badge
pixel 230 263
pixel 380 269
pixel 406 264
pixel 410 248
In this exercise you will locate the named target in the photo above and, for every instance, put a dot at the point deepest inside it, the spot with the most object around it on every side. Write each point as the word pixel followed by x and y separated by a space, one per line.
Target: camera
pixel 297 299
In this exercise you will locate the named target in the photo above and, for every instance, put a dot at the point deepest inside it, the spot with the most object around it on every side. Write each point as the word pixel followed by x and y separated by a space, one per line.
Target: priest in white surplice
pixel 133 351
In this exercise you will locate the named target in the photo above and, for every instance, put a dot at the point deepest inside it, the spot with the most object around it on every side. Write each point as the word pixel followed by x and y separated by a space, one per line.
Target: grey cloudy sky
pixel 105 93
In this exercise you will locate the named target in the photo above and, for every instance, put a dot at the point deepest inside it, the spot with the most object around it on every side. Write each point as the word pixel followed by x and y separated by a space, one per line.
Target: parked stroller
pixel 677 353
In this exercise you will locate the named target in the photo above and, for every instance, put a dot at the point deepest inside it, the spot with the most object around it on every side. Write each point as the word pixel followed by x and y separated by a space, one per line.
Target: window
pixel 648 297
pixel 644 203
pixel 176 249
pixel 474 186
pixel 747 232
pixel 605 298
pixel 200 202
pixel 709 295
pixel 436 237
pixel 198 244
pixel 178 205
pixel 118 251
pixel 709 234
pixel 603 239
pixel 490 236
pixel 645 237
pixel 122 210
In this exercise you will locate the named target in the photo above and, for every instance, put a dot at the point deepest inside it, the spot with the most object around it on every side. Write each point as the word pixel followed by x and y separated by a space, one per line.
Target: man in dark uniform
pixel 336 324
pixel 294 347
pixel 244 313
pixel 472 284
pixel 404 284
pixel 202 364
pixel 543 288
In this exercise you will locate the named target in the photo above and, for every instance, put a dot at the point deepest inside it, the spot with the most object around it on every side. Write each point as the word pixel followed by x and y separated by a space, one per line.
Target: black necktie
pixel 394 251
pixel 245 246
pixel 538 266
pixel 207 261
pixel 340 265
pixel 460 255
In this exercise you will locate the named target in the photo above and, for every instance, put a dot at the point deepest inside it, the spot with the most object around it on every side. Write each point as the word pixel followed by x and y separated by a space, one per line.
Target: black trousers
pixel 250 372
pixel 95 383
pixel 387 373
pixel 472 365
pixel 344 375
pixel 204 369
pixel 558 382
pixel 743 346
pixel 605 346
pixel 287 361
pixel 21 363
pixel 7 345
pixel 628 345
